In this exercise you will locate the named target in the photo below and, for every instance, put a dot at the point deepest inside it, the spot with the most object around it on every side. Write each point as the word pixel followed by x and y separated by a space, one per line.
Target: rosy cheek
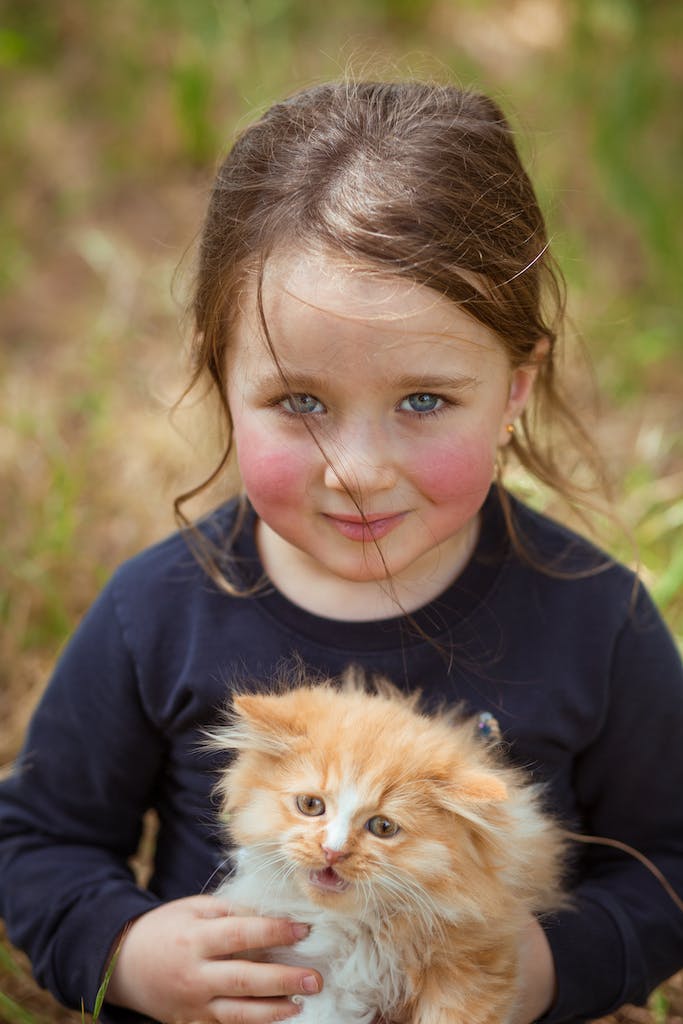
pixel 270 470
pixel 445 472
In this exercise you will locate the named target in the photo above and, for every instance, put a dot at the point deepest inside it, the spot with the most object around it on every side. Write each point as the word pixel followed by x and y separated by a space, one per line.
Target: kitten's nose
pixel 332 856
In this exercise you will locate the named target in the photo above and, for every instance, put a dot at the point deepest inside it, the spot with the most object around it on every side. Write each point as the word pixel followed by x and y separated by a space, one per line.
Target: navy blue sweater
pixel 579 671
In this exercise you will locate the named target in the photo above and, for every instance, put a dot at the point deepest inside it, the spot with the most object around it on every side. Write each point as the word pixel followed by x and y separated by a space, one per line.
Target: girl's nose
pixel 363 461
pixel 361 469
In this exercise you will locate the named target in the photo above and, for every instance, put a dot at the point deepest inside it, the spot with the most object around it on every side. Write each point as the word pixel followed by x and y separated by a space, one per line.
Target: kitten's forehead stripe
pixel 348 804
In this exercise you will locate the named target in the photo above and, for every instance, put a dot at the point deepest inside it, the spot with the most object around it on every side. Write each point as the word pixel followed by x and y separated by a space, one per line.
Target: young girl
pixel 378 312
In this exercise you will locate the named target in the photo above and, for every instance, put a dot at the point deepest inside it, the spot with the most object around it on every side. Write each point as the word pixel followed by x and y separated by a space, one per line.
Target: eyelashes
pixel 418 405
pixel 301 404
pixel 422 402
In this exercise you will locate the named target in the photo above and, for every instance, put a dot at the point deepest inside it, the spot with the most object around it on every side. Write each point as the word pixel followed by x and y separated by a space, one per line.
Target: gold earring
pixel 510 429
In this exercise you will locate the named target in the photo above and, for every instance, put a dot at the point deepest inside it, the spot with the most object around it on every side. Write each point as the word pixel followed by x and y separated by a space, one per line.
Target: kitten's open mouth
pixel 328 880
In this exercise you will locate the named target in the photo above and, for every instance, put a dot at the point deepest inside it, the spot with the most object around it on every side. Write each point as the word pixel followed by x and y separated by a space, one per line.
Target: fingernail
pixel 301 930
pixel 310 984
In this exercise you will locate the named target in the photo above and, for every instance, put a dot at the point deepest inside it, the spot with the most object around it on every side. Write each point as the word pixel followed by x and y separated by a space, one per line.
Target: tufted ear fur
pixel 482 787
pixel 477 786
pixel 261 722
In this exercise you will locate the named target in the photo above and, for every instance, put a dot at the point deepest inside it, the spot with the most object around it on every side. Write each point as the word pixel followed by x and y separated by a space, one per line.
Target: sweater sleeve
pixel 624 934
pixel 71 811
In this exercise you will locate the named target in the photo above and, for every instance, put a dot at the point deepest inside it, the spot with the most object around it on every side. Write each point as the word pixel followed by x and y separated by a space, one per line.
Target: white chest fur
pixel 360 969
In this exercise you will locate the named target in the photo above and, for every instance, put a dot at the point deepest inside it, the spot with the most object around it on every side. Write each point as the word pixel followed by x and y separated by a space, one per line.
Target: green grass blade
pixel 659 1007
pixel 102 990
pixel 15 1014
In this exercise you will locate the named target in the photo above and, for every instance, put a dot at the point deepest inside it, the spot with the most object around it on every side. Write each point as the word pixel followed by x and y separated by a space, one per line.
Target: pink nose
pixel 332 856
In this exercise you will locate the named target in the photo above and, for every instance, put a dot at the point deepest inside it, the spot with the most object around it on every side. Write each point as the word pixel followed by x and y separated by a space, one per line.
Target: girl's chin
pixel 368 563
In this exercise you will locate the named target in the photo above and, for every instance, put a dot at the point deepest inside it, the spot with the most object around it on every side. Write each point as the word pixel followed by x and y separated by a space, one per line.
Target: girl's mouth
pixel 368 529
pixel 328 880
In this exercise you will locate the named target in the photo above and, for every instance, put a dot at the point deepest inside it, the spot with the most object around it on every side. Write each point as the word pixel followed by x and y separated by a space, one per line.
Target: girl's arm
pixel 117 732
pixel 71 812
pixel 623 935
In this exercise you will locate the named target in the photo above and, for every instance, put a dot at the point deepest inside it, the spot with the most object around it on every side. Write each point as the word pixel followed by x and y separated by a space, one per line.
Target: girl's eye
pixel 422 401
pixel 312 806
pixel 302 404
pixel 382 827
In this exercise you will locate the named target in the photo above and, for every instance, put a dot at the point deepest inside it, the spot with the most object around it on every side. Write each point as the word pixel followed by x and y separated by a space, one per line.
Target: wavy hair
pixel 411 179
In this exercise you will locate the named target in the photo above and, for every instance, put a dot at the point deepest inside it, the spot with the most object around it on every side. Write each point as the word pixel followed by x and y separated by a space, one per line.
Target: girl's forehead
pixel 327 295
pixel 339 288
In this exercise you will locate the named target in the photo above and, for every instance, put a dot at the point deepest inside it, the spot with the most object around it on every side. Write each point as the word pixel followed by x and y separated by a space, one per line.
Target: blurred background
pixel 112 119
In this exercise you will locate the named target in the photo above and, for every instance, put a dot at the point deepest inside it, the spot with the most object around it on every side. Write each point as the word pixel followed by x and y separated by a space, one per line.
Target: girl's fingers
pixel 252 1011
pixel 246 979
pixel 227 936
pixel 206 905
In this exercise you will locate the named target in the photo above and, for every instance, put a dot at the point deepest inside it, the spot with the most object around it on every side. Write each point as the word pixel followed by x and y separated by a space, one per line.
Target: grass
pixel 102 990
pixel 113 115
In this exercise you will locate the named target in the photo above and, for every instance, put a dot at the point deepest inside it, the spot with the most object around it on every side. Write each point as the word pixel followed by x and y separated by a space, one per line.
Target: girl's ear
pixel 522 381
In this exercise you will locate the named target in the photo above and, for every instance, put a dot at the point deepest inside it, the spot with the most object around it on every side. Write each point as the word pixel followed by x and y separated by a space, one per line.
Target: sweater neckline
pixel 435 619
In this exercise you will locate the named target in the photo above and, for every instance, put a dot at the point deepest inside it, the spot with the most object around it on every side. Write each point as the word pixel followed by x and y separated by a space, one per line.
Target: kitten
pixel 413 853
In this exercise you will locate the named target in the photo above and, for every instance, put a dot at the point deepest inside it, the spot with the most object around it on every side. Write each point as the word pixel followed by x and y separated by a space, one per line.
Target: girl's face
pixel 395 403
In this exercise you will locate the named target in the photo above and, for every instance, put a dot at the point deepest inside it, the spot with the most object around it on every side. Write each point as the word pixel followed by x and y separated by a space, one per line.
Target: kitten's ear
pixel 483 787
pixel 475 787
pixel 260 722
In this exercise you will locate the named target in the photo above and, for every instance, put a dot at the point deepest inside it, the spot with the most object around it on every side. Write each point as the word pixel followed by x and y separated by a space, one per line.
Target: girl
pixel 378 312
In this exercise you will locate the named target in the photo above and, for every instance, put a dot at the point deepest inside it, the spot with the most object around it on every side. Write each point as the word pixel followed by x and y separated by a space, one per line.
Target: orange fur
pixel 450 892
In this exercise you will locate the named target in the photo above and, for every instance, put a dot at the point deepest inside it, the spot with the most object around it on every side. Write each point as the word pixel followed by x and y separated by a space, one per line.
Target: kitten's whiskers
pixel 410 898
pixel 274 867
pixel 219 867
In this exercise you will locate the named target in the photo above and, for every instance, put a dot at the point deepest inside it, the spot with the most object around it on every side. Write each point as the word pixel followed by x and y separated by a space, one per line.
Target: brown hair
pixel 412 179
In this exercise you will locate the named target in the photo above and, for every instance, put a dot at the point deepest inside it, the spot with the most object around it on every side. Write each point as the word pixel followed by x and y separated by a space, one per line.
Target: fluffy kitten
pixel 413 853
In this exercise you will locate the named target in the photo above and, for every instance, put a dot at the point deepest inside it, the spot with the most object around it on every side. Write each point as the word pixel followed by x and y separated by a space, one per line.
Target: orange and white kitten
pixel 413 853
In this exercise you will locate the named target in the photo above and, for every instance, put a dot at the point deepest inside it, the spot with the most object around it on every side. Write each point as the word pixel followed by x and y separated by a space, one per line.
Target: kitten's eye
pixel 312 806
pixel 382 827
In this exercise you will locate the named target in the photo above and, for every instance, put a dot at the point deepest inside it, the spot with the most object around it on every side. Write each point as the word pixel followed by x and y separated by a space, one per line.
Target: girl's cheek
pixel 270 469
pixel 446 472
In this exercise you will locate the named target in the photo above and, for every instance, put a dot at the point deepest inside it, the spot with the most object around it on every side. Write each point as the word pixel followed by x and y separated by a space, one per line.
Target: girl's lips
pixel 368 529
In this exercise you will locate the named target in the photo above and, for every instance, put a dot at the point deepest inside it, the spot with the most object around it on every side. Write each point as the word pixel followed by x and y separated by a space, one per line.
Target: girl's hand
pixel 181 963
pixel 537 979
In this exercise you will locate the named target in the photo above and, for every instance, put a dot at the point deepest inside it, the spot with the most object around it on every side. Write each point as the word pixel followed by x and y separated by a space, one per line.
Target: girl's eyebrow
pixel 435 382
pixel 294 381
pixel 313 382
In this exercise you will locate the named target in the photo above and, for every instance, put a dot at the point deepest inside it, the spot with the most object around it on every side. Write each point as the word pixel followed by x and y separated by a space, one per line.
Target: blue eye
pixel 302 404
pixel 422 401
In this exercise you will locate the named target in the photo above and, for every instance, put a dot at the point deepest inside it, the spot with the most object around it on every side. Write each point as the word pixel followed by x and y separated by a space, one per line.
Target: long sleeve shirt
pixel 574 663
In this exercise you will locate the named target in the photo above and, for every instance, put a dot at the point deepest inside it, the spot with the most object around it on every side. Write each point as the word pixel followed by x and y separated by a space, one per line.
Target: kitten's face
pixel 342 828
pixel 357 799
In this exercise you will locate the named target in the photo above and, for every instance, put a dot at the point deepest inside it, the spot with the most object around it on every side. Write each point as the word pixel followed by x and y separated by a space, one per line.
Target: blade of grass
pixel 15 1014
pixel 659 1007
pixel 102 990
